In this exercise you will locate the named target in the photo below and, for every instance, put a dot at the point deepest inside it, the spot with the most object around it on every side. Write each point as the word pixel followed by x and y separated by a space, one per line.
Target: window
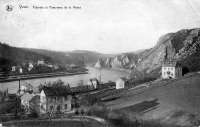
pixel 65 106
pixel 172 68
pixel 73 105
pixel 51 108
pixel 58 107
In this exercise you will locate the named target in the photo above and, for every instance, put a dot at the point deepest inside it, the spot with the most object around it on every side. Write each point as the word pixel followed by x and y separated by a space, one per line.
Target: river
pixel 106 75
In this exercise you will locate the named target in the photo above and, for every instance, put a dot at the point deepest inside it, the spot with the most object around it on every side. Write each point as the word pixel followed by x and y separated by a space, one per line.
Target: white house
pixel 49 65
pixel 30 66
pixel 20 70
pixel 13 68
pixel 171 69
pixel 93 82
pixel 121 83
pixel 41 62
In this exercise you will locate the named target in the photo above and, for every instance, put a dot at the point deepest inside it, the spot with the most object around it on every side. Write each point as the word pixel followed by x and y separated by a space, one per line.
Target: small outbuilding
pixel 93 82
pixel 121 82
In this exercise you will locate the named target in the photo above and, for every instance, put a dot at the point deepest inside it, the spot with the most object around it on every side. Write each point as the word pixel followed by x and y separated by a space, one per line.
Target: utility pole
pixel 100 75
pixel 18 94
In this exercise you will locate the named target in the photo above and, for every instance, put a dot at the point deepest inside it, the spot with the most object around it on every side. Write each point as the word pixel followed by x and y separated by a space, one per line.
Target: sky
pixel 106 26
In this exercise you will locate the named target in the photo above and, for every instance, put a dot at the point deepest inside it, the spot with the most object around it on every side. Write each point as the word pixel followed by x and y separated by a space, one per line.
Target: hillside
pixel 10 56
pixel 13 56
pixel 183 46
pixel 173 103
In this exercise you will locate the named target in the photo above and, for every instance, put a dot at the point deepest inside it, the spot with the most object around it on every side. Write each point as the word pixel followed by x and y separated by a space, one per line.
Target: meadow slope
pixel 174 103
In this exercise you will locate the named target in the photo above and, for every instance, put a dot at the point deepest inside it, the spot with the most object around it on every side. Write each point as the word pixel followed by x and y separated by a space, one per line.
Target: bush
pixel 99 110
pixel 143 80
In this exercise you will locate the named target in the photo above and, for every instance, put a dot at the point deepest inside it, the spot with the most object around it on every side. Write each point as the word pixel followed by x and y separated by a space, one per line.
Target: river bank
pixel 105 75
pixel 35 76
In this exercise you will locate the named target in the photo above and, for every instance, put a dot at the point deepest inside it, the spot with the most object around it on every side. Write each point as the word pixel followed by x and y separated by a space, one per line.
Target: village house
pixel 171 69
pixel 121 83
pixel 49 65
pixel 17 69
pixel 30 66
pixel 41 62
pixel 55 67
pixel 13 68
pixel 56 99
pixel 26 88
pixel 30 102
pixel 7 97
pixel 25 99
pixel 93 82
pixel 46 99
pixel 20 70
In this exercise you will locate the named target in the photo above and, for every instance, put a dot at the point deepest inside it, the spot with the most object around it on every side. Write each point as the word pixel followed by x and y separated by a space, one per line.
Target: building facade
pixel 93 82
pixel 121 83
pixel 171 69
pixel 55 100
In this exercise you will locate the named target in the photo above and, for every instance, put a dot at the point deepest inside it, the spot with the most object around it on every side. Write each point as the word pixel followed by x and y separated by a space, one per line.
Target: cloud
pixel 107 26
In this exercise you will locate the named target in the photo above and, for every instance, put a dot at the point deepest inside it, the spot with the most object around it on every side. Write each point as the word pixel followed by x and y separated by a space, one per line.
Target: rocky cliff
pixel 183 46
pixel 126 61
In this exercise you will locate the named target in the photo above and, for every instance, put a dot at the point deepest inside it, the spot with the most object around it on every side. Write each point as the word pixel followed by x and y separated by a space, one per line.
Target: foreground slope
pixel 173 103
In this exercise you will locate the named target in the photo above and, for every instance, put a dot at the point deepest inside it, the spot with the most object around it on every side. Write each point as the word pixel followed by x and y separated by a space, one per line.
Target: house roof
pixel 124 79
pixel 80 89
pixel 36 97
pixel 94 79
pixel 27 97
pixel 169 63
pixel 28 85
pixel 60 91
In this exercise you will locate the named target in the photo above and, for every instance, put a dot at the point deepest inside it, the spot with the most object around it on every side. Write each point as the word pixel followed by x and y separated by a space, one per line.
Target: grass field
pixel 54 123
pixel 175 102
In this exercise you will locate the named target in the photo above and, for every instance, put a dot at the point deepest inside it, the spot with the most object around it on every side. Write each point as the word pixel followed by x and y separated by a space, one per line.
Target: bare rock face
pixel 98 64
pixel 172 46
pixel 108 62
pixel 124 61
pixel 183 46
pixel 191 45
pixel 120 61
pixel 155 57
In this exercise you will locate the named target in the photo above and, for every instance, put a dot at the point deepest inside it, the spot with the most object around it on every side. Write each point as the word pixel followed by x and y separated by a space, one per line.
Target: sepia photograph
pixel 99 63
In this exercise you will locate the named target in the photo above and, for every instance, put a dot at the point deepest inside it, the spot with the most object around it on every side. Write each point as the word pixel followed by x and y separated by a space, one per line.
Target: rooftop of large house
pixel 52 91
pixel 170 63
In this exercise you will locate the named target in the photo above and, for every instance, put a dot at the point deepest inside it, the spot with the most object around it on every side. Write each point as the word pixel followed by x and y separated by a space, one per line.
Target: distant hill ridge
pixel 10 56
